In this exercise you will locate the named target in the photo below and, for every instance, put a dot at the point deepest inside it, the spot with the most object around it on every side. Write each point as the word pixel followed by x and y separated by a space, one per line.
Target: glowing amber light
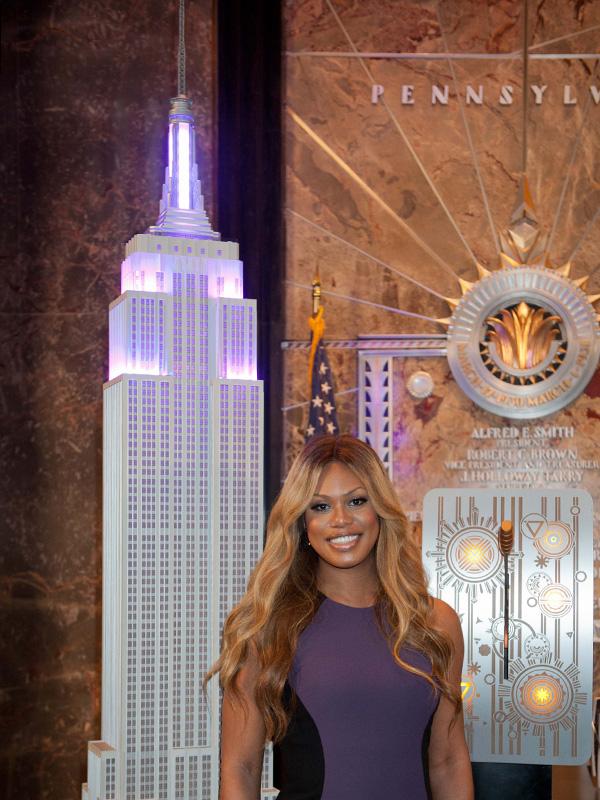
pixel 467 687
pixel 542 696
pixel 474 554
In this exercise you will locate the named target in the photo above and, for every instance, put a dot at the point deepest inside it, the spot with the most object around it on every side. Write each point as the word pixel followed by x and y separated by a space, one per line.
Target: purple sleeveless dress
pixel 360 724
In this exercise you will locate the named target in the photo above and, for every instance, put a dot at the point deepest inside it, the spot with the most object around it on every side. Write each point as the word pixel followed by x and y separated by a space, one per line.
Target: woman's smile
pixel 344 542
pixel 341 523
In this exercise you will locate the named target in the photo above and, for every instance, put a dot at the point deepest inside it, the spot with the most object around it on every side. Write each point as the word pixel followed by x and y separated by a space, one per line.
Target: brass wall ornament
pixel 523 341
pixel 522 336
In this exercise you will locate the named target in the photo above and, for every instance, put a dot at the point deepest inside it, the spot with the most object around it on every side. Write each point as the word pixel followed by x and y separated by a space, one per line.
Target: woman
pixel 337 653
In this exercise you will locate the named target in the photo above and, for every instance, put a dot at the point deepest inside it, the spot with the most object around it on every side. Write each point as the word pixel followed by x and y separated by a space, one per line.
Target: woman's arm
pixel 450 773
pixel 242 740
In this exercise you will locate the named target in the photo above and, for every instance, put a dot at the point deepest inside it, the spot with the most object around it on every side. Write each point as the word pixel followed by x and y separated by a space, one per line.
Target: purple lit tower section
pixel 183 502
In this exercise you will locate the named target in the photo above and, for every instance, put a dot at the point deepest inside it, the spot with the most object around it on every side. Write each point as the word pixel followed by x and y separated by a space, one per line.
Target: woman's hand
pixel 450 773
pixel 242 739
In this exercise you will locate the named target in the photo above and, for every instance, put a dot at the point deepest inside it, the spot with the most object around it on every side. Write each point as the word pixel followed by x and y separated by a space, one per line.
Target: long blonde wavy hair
pixel 283 596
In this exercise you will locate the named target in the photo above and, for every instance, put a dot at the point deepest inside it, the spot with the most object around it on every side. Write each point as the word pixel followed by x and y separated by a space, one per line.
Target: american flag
pixel 322 416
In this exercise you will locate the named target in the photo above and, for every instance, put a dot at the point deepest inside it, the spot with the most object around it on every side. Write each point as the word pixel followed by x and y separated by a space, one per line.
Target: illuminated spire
pixel 182 210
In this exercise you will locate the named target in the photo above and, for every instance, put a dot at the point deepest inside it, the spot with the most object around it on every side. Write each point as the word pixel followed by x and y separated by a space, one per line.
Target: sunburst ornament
pixel 542 696
pixel 524 340
pixel 467 557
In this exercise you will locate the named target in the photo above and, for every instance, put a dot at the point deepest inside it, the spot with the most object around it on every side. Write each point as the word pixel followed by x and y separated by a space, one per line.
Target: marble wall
pixel 393 201
pixel 87 86
pixel 376 190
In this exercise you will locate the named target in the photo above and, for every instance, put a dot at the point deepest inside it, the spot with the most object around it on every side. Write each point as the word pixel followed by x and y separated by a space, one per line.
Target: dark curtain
pixel 249 183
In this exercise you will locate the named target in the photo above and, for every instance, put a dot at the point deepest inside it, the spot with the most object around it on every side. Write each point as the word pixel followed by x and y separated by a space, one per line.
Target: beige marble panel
pixel 471 154
pixel 555 19
pixel 371 25
pixel 335 100
pixel 432 432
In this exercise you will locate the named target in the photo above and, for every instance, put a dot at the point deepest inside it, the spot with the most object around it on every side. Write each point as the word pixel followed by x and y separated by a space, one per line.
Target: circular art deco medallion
pixel 538 581
pixel 473 555
pixel 555 600
pixel 497 629
pixel 542 694
pixel 545 692
pixel 555 540
pixel 537 645
pixel 523 342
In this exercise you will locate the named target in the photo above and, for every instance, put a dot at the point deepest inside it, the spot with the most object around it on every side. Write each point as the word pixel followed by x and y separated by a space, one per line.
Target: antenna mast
pixel 181 54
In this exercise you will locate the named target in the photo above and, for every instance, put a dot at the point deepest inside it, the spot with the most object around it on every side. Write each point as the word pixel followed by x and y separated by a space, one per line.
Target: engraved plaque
pixel 543 712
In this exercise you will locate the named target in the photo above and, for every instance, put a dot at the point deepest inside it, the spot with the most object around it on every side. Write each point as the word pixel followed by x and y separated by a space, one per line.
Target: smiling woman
pixel 337 653
pixel 342 528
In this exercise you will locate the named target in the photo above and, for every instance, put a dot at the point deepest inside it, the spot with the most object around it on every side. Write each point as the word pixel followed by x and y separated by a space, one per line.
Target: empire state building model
pixel 183 498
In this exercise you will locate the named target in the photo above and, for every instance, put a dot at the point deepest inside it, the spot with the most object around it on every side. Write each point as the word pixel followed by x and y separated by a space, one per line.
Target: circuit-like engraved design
pixel 537 646
pixel 497 629
pixel 555 600
pixel 533 524
pixel 541 713
pixel 537 581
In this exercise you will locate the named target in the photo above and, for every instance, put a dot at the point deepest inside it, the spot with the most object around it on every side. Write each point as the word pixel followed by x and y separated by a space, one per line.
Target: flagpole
pixel 316 294
pixel 322 416
pixel 317 327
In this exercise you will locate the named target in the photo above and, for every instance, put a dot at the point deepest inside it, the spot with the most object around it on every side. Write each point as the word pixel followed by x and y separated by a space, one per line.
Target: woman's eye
pixel 358 501
pixel 319 507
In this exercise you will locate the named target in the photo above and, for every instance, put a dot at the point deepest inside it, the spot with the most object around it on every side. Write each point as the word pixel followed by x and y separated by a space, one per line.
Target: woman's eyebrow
pixel 352 491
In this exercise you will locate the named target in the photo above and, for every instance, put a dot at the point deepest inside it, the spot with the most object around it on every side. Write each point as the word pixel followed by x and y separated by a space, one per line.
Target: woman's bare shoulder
pixel 445 618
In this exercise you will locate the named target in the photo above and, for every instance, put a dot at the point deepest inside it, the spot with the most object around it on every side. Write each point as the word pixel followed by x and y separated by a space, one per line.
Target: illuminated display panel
pixel 543 712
